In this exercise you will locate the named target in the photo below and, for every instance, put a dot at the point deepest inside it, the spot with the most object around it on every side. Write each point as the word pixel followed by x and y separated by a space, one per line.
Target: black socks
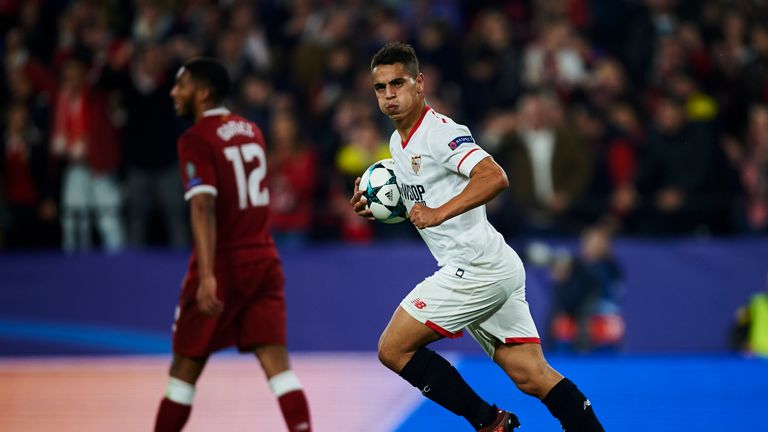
pixel 569 405
pixel 439 381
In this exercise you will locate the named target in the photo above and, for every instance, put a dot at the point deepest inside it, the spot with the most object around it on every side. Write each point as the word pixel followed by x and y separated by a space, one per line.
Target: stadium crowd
pixel 647 116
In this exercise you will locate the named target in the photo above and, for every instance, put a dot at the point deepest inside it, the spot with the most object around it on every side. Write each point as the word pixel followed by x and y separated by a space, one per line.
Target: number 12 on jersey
pixel 250 190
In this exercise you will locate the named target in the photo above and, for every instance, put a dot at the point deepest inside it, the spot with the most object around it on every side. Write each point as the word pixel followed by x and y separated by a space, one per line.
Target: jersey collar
pixel 416 126
pixel 215 111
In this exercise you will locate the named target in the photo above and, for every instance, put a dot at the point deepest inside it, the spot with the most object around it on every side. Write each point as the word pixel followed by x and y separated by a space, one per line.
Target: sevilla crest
pixel 416 164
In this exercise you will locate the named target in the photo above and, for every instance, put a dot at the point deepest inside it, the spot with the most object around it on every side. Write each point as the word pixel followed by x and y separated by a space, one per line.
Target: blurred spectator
pixel 230 51
pixel 152 22
pixel 586 290
pixel 751 161
pixel 292 178
pixel 610 64
pixel 613 151
pixel 253 99
pixel 548 167
pixel 551 62
pixel 86 142
pixel 750 332
pixel 642 33
pixel 436 48
pixel 245 22
pixel 364 147
pixel 607 84
pixel 755 73
pixel 673 185
pixel 26 185
pixel 491 75
pixel 149 152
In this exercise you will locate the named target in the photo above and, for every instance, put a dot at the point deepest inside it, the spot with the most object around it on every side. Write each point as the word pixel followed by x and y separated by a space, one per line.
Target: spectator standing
pixel 673 174
pixel 25 183
pixel 292 171
pixel 150 163
pixel 549 168
pixel 86 142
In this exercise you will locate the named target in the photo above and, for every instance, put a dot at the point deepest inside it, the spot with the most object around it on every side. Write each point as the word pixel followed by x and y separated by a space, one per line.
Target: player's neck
pixel 407 123
pixel 202 108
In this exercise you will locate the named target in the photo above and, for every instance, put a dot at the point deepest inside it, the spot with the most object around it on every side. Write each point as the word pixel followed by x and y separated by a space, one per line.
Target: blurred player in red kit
pixel 232 293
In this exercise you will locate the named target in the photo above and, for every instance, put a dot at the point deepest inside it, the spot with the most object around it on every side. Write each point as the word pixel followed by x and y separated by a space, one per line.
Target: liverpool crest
pixel 416 164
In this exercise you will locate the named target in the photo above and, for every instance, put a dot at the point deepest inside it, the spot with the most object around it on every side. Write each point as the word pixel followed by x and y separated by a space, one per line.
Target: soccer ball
pixel 379 186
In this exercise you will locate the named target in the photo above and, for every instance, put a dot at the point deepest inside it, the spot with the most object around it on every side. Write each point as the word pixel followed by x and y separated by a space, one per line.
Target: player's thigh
pixel 448 303
pixel 273 359
pixel 187 369
pixel 402 337
pixel 262 320
pixel 512 323
pixel 196 334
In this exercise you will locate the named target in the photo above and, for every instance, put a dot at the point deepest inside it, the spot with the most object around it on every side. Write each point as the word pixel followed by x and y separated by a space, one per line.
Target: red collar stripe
pixel 416 126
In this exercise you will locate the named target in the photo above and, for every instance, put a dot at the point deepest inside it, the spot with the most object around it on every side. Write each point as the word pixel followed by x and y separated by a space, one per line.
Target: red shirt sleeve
pixel 197 165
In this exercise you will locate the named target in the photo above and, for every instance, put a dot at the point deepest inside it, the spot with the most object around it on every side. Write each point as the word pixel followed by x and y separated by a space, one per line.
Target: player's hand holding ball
pixel 359 203
pixel 379 194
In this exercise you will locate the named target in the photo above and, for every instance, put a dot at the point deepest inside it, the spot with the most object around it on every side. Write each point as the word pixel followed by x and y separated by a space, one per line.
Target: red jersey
pixel 224 155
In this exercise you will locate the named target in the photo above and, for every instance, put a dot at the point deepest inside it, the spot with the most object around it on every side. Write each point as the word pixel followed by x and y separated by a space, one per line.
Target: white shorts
pixel 492 312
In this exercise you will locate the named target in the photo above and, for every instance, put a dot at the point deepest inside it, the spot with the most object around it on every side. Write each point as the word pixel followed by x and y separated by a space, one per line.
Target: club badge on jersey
pixel 416 164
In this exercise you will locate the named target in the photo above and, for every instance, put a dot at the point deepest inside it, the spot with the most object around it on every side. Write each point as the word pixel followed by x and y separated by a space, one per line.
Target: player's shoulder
pixel 445 129
pixel 223 128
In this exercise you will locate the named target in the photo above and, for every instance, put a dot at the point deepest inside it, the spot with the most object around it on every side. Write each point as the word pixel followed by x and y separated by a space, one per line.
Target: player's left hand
pixel 425 217
pixel 207 301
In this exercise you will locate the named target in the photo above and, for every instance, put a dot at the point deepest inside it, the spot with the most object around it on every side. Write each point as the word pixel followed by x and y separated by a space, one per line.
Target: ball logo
pixel 416 164
pixel 419 303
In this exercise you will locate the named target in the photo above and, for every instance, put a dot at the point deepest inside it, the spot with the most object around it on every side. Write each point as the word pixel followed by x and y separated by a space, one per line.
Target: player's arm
pixel 486 180
pixel 202 209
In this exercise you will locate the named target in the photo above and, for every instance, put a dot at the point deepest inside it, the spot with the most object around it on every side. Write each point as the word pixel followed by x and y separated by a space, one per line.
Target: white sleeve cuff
pixel 470 159
pixel 198 190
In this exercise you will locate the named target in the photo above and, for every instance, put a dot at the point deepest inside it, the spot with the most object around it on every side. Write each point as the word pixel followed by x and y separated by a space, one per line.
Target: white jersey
pixel 432 166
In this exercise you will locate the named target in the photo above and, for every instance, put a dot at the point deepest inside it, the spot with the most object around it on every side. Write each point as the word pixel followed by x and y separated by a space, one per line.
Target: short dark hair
pixel 397 52
pixel 212 74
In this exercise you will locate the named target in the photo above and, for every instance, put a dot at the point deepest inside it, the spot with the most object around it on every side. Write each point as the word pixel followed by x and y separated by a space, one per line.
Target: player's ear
pixel 203 93
pixel 420 83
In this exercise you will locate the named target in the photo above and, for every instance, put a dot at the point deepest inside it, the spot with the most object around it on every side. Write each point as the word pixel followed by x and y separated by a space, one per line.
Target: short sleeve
pixel 455 148
pixel 197 165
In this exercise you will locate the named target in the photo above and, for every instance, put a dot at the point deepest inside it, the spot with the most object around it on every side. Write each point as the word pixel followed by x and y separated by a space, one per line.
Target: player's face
pixel 397 92
pixel 183 94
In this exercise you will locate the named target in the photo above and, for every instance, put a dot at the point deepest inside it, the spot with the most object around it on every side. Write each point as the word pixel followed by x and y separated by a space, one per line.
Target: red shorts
pixel 254 311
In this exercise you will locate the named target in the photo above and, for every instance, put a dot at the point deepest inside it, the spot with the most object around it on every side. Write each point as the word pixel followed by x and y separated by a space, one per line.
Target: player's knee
pixel 387 356
pixel 390 356
pixel 530 379
pixel 187 369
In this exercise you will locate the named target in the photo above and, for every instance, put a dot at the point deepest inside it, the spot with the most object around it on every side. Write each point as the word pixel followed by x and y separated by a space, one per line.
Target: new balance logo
pixel 587 403
pixel 419 303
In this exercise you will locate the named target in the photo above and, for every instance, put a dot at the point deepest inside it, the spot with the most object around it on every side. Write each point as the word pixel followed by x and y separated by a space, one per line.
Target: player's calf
pixel 293 403
pixel 439 381
pixel 569 405
pixel 175 407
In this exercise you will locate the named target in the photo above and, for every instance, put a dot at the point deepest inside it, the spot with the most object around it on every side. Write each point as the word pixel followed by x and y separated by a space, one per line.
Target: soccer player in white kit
pixel 445 179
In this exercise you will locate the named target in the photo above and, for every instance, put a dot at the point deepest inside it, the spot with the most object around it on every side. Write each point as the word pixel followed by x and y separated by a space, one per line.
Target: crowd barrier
pixel 680 296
